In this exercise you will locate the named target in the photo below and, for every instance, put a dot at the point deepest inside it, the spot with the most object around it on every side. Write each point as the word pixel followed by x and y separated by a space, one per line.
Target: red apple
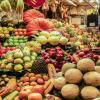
pixel 47 61
pixel 26 83
pixel 81 54
pixel 38 89
pixel 24 93
pixel 45 77
pixel 55 63
pixel 33 79
pixel 86 50
pixel 40 81
pixel 95 56
pixel 35 96
pixel 26 79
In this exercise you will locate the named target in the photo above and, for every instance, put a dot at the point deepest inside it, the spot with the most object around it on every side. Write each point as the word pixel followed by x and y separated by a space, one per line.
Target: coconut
pixel 73 76
pixel 86 64
pixel 92 78
pixel 90 93
pixel 59 83
pixel 70 91
pixel 67 66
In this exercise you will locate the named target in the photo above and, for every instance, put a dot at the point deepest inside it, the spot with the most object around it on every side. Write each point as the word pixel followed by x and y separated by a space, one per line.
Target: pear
pixel 18 67
pixel 10 59
pixel 34 54
pixel 33 57
pixel 28 65
pixel 9 66
pixel 18 54
pixel 26 51
pixel 3 66
pixel 18 61
pixel 27 59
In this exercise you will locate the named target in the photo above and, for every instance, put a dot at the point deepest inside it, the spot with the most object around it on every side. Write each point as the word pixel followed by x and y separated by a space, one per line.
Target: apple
pixel 47 61
pixel 38 89
pixel 95 56
pixel 45 77
pixel 40 81
pixel 86 50
pixel 33 79
pixel 81 54
pixel 55 63
pixel 24 93
pixel 35 96
pixel 26 83
pixel 26 79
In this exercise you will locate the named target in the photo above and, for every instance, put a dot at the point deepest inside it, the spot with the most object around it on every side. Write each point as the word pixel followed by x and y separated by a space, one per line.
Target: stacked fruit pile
pixel 87 53
pixel 32 79
pixel 20 32
pixel 57 57
pixel 4 50
pixel 54 38
pixel 34 51
pixel 15 41
pixel 18 60
pixel 5 32
pixel 4 79
pixel 78 79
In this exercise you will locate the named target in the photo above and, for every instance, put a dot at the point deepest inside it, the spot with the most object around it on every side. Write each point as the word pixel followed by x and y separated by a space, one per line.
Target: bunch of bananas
pixel 6 6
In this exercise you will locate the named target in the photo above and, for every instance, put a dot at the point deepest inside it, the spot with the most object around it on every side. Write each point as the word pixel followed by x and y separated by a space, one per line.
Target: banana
pixel 6 6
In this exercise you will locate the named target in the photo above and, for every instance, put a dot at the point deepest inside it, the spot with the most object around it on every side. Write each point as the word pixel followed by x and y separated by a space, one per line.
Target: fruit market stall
pixel 45 59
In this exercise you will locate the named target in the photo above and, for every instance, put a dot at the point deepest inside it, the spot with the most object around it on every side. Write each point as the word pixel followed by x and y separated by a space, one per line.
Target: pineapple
pixel 39 66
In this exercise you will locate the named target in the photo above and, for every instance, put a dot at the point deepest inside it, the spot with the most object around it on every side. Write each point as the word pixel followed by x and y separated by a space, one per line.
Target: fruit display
pixel 18 60
pixel 4 79
pixel 72 82
pixel 34 46
pixel 4 50
pixel 45 59
pixel 5 32
pixel 87 53
pixel 20 32
pixel 54 38
pixel 33 79
pixel 57 57
pixel 15 41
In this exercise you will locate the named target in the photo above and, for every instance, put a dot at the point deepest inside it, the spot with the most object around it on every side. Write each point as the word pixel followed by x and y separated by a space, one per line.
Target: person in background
pixel 65 16
pixel 45 8
pixel 53 9
pixel 62 11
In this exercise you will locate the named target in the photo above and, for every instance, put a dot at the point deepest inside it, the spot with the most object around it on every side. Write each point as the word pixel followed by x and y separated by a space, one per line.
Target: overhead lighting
pixel 80 1
pixel 71 2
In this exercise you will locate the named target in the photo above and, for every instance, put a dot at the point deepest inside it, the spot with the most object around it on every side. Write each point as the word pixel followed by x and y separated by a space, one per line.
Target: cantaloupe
pixel 90 93
pixel 86 64
pixel 59 74
pixel 73 76
pixel 97 69
pixel 98 63
pixel 59 83
pixel 67 66
pixel 92 78
pixel 70 91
